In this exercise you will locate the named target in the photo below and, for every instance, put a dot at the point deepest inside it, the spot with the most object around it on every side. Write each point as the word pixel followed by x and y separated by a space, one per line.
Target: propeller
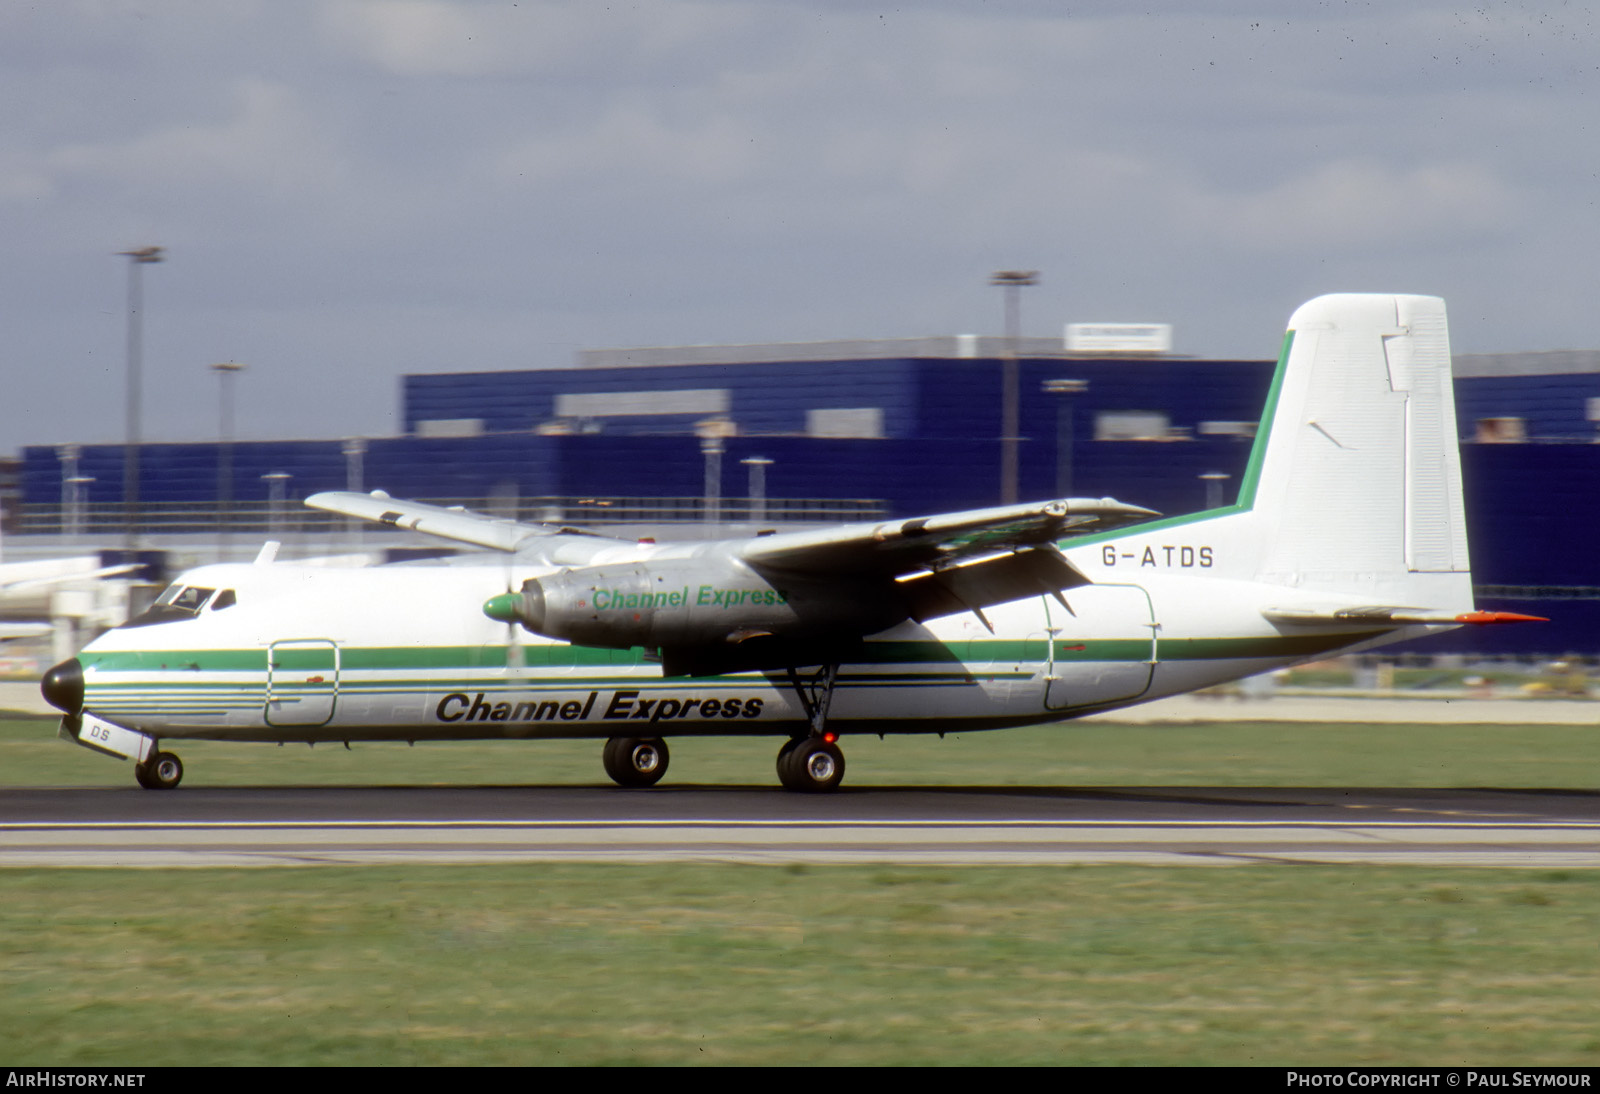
pixel 516 661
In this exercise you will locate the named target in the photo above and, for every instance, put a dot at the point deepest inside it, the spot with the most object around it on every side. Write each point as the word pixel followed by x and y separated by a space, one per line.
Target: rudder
pixel 1357 484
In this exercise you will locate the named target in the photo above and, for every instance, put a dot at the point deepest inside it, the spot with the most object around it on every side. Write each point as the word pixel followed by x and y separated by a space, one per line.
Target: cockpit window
pixel 224 599
pixel 178 603
pixel 191 598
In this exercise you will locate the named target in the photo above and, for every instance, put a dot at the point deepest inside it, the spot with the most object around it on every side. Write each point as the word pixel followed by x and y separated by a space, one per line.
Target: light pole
pixel 711 448
pixel 1214 481
pixel 1065 435
pixel 227 373
pixel 1010 394
pixel 758 486
pixel 68 454
pixel 355 451
pixel 712 433
pixel 277 486
pixel 77 490
pixel 144 256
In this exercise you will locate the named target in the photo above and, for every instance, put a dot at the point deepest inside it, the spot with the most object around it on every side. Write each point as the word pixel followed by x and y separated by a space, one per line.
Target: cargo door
pixel 1104 650
pixel 302 682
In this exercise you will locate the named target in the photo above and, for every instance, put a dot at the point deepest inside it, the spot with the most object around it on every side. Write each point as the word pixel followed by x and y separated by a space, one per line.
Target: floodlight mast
pixel 1010 384
pixel 143 256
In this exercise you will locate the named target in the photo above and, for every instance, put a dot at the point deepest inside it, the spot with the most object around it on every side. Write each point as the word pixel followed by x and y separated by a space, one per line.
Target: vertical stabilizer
pixel 1357 484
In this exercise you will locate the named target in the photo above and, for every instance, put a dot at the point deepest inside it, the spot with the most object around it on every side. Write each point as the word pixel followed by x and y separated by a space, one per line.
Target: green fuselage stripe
pixel 440 664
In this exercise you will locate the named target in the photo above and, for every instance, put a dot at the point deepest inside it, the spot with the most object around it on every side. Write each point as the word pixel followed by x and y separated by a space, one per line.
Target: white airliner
pixel 62 597
pixel 1347 534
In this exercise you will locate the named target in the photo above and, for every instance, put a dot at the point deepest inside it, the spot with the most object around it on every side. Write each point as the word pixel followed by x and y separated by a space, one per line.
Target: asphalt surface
pixel 945 825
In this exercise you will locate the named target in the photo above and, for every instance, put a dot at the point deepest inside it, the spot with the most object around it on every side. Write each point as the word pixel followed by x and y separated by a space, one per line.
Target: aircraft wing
pixel 901 547
pixel 556 543
pixel 26 584
pixel 955 562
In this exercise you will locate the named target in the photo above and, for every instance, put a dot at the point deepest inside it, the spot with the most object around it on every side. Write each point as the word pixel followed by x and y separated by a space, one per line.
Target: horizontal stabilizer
pixel 1398 617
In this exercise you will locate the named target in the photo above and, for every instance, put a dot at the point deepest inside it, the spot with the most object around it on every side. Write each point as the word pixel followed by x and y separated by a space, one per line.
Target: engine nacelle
pixel 693 602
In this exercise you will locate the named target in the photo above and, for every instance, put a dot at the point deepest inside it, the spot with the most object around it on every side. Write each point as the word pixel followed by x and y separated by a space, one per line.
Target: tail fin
pixel 1352 495
pixel 1356 484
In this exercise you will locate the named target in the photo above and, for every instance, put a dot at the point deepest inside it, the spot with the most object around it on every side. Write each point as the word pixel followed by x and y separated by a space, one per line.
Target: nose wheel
pixel 163 771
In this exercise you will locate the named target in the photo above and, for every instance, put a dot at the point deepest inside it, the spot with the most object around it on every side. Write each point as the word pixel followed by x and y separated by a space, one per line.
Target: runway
pixel 932 826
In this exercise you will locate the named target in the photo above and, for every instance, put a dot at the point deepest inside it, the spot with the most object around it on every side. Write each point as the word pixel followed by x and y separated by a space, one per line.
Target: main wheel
pixel 632 761
pixel 163 771
pixel 810 765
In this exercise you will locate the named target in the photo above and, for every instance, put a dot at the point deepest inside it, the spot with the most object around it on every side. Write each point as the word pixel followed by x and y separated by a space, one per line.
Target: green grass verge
pixel 1069 754
pixel 824 965
pixel 872 965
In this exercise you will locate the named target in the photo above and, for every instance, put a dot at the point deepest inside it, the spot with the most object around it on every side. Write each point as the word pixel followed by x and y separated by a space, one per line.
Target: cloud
pixel 1346 205
pixel 264 142
pixel 534 39
pixel 408 185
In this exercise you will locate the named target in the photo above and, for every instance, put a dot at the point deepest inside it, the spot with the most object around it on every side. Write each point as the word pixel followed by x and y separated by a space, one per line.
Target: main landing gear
pixel 812 764
pixel 634 761
pixel 162 771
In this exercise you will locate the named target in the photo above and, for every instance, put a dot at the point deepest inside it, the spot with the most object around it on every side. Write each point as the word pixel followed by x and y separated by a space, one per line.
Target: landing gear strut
pixel 162 771
pixel 814 763
pixel 633 761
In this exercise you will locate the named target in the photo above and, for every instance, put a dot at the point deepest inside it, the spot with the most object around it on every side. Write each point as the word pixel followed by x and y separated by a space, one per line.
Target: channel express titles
pixel 459 706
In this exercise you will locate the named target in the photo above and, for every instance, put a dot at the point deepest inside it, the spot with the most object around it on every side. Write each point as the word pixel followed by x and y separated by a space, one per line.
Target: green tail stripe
pixel 1247 483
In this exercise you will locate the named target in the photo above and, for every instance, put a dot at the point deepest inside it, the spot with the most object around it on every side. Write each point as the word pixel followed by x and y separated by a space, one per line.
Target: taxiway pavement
pixel 947 826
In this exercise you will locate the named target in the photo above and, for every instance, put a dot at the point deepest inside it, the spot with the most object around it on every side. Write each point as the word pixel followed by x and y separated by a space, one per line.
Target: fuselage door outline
pixel 302 682
pixel 1115 658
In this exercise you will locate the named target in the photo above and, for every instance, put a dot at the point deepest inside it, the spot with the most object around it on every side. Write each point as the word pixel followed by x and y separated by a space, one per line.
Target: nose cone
pixel 62 686
pixel 526 607
pixel 505 608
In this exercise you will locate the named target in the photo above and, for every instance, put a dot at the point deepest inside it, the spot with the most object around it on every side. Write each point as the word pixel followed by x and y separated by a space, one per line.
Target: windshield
pixel 181 602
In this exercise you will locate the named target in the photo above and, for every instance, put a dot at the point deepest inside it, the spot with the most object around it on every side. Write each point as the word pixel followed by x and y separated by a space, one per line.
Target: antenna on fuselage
pixel 268 553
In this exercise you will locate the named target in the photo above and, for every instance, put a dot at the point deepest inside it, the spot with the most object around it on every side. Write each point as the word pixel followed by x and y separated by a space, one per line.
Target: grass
pixel 688 964
pixel 1069 754
pixel 771 965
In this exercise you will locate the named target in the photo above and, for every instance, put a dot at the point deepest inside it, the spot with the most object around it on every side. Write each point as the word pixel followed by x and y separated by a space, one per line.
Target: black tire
pixel 163 771
pixel 635 761
pixel 810 765
pixel 784 754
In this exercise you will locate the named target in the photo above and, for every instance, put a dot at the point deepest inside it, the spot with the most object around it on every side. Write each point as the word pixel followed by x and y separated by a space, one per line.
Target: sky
pixel 353 190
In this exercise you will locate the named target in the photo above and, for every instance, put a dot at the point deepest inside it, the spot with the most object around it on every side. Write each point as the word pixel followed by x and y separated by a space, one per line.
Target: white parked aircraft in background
pixel 1347 534
pixel 64 598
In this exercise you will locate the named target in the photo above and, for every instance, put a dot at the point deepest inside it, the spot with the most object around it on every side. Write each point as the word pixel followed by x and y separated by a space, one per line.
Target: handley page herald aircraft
pixel 1347 534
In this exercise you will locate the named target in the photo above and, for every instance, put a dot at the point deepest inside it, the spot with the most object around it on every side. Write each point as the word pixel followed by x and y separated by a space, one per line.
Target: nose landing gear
pixel 162 771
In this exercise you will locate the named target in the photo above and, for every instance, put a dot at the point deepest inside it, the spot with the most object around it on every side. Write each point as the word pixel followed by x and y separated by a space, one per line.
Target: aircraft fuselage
pixel 405 653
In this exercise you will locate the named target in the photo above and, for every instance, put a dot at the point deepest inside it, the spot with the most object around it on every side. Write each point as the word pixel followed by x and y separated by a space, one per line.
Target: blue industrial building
pixel 914 425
